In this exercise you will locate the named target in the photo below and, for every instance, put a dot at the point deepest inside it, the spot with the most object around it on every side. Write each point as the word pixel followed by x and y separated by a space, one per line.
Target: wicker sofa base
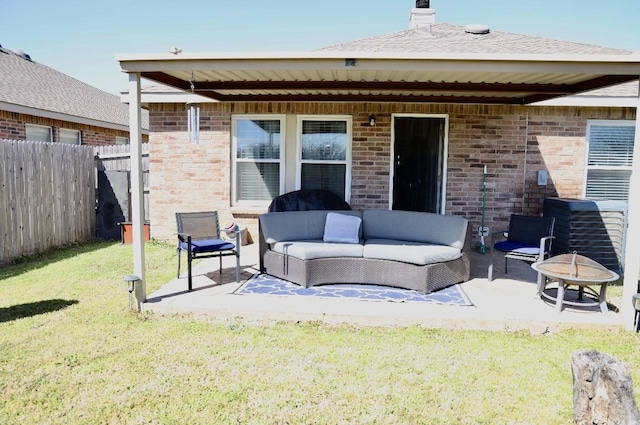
pixel 320 271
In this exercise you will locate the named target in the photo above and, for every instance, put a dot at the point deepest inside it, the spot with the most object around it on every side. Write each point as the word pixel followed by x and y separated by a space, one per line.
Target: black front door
pixel 418 163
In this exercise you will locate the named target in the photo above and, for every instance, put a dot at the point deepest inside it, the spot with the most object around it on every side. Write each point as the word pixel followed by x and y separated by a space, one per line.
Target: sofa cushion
pixel 413 226
pixel 409 252
pixel 312 249
pixel 342 228
pixel 296 225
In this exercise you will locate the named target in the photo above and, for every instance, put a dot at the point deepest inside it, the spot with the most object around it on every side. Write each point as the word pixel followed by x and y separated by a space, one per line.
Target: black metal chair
pixel 199 236
pixel 528 239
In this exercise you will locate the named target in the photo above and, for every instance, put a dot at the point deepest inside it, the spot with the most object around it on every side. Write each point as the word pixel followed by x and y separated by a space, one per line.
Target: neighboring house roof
pixel 450 38
pixel 31 88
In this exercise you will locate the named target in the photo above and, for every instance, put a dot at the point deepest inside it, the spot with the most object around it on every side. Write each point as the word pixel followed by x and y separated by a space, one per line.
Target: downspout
pixel 137 203
pixel 632 249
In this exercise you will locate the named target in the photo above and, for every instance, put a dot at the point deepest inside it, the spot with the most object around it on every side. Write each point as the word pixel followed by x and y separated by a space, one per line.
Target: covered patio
pixel 498 79
pixel 509 302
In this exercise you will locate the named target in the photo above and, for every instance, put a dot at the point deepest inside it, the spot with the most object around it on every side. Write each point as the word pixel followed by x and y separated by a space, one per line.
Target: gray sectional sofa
pixel 411 250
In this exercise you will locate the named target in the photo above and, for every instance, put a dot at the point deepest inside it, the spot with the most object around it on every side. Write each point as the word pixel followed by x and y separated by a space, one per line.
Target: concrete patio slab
pixel 509 302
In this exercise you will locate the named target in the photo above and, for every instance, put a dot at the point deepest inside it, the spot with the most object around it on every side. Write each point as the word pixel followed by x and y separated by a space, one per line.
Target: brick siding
pixel 514 142
pixel 12 126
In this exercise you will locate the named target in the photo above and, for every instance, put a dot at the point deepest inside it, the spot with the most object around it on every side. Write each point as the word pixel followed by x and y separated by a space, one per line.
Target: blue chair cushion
pixel 207 245
pixel 523 248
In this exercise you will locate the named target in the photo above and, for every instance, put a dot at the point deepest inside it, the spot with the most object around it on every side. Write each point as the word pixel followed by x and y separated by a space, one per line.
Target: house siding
pixel 514 142
pixel 12 126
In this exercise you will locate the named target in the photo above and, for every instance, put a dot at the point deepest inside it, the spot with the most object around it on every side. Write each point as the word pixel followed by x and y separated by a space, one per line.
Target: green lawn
pixel 72 353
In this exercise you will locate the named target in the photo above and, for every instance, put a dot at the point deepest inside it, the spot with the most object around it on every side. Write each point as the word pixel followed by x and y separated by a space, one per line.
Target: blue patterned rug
pixel 269 285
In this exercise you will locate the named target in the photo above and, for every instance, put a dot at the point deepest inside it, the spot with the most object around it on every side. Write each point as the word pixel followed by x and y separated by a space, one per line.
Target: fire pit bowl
pixel 575 270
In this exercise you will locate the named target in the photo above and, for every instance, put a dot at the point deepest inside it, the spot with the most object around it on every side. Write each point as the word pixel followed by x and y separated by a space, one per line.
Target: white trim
pixel 586 168
pixel 136 61
pixel 632 248
pixel 25 110
pixel 348 156
pixel 613 123
pixel 234 158
pixel 137 187
pixel 444 158
pixel 589 101
pixel 332 66
pixel 171 95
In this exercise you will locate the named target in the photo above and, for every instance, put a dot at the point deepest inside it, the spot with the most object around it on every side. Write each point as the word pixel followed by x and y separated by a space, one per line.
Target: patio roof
pixel 338 76
pixel 385 77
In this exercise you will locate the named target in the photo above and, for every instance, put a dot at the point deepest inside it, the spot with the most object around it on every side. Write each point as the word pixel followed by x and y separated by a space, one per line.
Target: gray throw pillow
pixel 342 228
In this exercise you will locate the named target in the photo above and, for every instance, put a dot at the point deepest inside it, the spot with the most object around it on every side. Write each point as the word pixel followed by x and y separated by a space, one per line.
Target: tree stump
pixel 602 391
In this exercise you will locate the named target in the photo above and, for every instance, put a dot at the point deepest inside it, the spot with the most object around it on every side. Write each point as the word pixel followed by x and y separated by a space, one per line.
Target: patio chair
pixel 528 239
pixel 199 236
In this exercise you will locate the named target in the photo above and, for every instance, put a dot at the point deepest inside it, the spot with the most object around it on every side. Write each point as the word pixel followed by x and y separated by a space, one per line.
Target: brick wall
pixel 187 177
pixel 12 126
pixel 514 142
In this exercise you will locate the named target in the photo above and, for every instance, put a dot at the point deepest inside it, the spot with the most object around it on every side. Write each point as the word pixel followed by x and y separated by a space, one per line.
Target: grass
pixel 72 353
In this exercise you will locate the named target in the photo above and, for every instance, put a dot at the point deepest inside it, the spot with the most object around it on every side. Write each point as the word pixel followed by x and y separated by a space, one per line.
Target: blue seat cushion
pixel 207 245
pixel 523 248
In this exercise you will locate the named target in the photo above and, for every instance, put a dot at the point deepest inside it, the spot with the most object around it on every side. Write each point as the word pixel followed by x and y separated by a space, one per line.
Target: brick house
pixel 406 120
pixel 41 104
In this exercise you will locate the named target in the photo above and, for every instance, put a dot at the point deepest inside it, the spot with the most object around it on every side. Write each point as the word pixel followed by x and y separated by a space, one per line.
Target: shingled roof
pixel 450 38
pixel 429 62
pixel 29 84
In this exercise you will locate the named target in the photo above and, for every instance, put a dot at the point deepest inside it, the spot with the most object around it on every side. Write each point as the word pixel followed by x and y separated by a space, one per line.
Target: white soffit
pixel 341 76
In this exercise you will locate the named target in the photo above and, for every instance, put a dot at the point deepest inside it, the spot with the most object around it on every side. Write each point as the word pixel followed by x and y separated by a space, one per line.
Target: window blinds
pixel 611 146
pixel 610 161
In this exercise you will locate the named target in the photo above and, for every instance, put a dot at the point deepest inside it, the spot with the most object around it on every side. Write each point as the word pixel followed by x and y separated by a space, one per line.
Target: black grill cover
pixel 306 200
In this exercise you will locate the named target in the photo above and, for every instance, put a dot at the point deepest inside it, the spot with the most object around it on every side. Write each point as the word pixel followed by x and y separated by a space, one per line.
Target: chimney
pixel 422 16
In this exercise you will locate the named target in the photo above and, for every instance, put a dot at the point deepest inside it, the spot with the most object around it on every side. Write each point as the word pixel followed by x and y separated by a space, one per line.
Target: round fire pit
pixel 576 270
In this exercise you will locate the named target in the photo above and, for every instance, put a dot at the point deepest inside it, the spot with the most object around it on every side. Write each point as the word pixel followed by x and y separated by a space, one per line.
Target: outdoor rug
pixel 269 285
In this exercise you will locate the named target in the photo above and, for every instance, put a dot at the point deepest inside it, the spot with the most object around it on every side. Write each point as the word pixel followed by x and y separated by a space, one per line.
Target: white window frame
pixel 77 132
pixel 348 156
pixel 26 126
pixel 587 167
pixel 120 140
pixel 235 160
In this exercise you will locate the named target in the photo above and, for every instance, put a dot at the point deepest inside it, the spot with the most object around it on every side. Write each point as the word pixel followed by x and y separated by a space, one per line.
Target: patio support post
pixel 632 248
pixel 137 190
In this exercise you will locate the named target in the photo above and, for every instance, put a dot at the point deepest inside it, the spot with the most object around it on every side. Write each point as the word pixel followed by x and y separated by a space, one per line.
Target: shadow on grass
pixel 24 264
pixel 22 311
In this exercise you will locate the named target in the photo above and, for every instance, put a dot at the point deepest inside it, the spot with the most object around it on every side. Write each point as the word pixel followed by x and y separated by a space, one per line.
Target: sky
pixel 82 38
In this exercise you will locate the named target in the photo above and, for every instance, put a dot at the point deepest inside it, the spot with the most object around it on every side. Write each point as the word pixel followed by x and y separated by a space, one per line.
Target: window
pixel 258 151
pixel 38 133
pixel 325 154
pixel 122 140
pixel 610 159
pixel 69 136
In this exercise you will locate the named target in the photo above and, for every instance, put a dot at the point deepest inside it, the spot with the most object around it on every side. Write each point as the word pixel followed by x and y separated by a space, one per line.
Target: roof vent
pixel 23 55
pixel 477 29
pixel 422 4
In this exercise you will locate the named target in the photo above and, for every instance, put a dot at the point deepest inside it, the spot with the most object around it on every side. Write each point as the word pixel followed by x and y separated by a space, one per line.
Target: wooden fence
pixel 116 158
pixel 47 196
